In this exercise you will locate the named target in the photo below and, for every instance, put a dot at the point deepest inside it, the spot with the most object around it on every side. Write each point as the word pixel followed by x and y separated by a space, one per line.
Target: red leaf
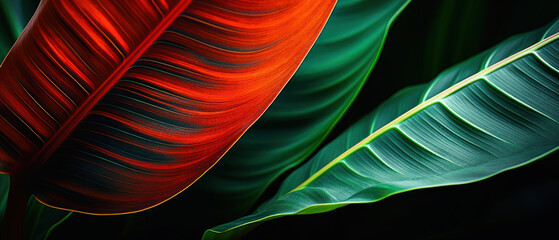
pixel 116 106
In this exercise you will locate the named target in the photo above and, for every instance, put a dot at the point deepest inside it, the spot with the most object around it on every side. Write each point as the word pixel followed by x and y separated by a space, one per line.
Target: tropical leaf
pixel 112 107
pixel 494 112
pixel 310 105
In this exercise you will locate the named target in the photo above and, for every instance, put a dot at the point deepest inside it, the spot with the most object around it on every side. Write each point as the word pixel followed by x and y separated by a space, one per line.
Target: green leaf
pixel 310 105
pixel 40 220
pixel 496 111
pixel 13 18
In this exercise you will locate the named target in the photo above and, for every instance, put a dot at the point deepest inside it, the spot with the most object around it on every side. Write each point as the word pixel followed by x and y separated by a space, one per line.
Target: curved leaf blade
pixel 311 104
pixel 115 107
pixel 465 126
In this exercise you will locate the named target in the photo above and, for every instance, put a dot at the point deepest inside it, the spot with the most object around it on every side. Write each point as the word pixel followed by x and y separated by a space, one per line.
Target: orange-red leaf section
pixel 68 56
pixel 121 107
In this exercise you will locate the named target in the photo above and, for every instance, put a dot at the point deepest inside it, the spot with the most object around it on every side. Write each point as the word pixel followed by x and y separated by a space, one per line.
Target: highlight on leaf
pixel 113 107
pixel 462 127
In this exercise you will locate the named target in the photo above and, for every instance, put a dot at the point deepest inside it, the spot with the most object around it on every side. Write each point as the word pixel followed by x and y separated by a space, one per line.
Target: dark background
pixel 428 37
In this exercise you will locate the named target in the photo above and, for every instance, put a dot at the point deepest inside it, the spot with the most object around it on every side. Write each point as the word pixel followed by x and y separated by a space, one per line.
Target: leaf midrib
pixel 41 156
pixel 423 105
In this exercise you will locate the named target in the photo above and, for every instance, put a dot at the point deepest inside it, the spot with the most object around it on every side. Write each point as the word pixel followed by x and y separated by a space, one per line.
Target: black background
pixel 428 37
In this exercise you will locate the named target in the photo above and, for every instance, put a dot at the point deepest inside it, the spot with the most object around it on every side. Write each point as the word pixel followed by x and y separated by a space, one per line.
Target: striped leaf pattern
pixel 494 112
pixel 53 69
pixel 115 106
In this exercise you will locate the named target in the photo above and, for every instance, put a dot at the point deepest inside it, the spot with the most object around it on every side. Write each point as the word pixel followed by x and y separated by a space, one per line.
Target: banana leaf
pixel 111 107
pixel 497 111
pixel 298 120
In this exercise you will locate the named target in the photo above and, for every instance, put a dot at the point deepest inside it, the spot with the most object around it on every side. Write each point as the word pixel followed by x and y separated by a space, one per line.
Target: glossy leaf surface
pixel 310 105
pixel 113 107
pixel 494 112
